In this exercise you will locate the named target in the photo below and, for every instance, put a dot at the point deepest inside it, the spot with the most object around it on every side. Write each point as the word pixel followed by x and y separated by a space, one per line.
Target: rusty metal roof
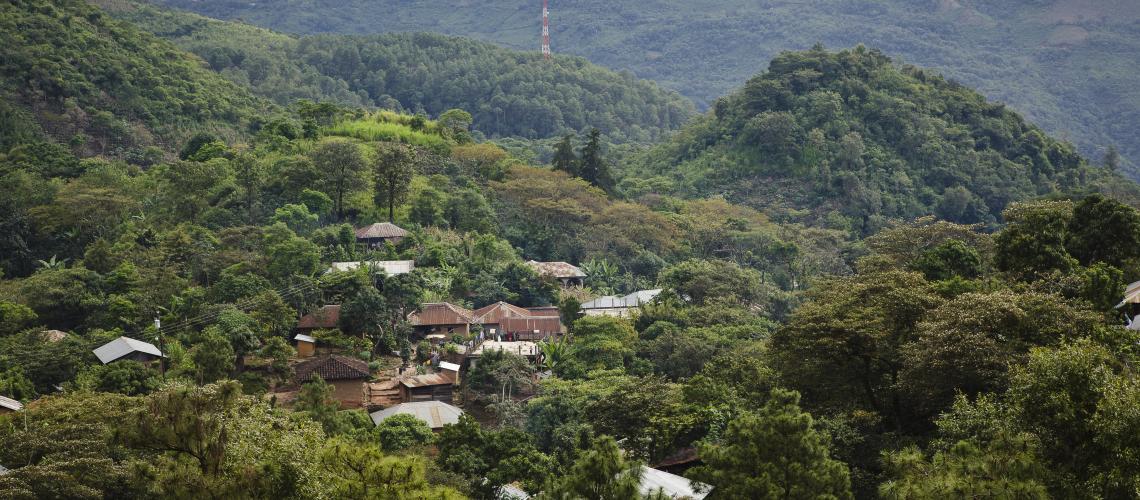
pixel 496 312
pixel 556 269
pixel 442 313
pixel 325 317
pixel 380 230
pixel 426 380
pixel 544 324
pixel 544 311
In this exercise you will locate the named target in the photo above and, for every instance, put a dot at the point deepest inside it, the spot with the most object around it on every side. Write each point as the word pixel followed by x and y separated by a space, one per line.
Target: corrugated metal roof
pixel 495 313
pixel 325 317
pixel 300 337
pixel 556 269
pixel 444 365
pixel 442 313
pixel 672 485
pixel 124 346
pixel 544 324
pixel 635 299
pixel 426 380
pixel 435 414
pixel 390 267
pixel 11 404
pixel 380 230
pixel 544 311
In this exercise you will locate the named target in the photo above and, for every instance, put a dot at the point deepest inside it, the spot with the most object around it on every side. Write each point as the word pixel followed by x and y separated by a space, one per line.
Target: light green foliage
pixel 1005 468
pixel 358 470
pixel 400 432
pixel 213 356
pixel 499 374
pixel 774 453
pixel 603 341
pixel 15 317
pixel 704 281
pixel 124 377
pixel 279 351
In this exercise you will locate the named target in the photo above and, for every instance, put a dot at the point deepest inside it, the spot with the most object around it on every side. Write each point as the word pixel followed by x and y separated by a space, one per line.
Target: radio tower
pixel 546 29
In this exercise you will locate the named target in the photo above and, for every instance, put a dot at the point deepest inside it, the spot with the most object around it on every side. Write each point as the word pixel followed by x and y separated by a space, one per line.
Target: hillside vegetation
pixel 508 93
pixel 857 139
pixel 104 87
pixel 1068 66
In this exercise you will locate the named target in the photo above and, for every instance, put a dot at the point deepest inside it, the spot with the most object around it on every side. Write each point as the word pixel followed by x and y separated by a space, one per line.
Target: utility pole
pixel 546 29
pixel 161 349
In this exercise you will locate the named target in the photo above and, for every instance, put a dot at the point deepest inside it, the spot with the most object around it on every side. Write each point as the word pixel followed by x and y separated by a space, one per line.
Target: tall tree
pixel 601 472
pixel 774 454
pixel 564 157
pixel 394 166
pixel 592 166
pixel 341 165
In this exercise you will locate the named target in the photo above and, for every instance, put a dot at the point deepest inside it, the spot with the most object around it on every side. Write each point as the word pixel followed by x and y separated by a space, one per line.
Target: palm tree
pixel 53 263
pixel 554 353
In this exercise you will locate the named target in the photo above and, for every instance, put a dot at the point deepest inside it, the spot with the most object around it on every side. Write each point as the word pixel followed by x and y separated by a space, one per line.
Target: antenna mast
pixel 546 29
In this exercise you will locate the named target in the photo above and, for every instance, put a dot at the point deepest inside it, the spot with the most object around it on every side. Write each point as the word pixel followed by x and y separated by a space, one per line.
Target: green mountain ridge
pixel 509 94
pixel 857 140
pixel 102 86
pixel 1068 66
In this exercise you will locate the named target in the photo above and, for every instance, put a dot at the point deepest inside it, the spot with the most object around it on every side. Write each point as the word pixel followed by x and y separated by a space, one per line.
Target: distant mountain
pixel 104 87
pixel 1067 65
pixel 850 139
pixel 509 93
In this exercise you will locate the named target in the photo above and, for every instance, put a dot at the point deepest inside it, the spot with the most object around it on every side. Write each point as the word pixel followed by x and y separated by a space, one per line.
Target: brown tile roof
pixel 380 230
pixel 325 317
pixel 495 313
pixel 544 324
pixel 333 367
pixel 442 313
pixel 556 269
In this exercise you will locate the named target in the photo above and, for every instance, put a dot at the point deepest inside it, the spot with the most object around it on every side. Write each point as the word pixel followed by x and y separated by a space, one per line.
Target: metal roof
pixel 1131 295
pixel 444 365
pixel 634 299
pixel 672 485
pixel 380 230
pixel 556 269
pixel 442 313
pixel 11 404
pixel 495 313
pixel 427 380
pixel 300 337
pixel 544 324
pixel 390 267
pixel 435 414
pixel 124 346
pixel 3 470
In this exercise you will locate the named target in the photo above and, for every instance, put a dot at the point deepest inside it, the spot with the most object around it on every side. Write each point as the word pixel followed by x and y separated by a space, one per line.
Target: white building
pixel 620 307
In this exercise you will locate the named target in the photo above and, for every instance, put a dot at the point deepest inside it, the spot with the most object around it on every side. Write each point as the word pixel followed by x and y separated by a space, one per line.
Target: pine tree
pixel 592 167
pixel 601 472
pixel 775 453
pixel 564 157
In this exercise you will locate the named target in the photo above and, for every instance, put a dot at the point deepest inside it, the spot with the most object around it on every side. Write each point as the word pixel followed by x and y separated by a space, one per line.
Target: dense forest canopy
pixel 508 93
pixel 860 280
pixel 857 140
pixel 1067 65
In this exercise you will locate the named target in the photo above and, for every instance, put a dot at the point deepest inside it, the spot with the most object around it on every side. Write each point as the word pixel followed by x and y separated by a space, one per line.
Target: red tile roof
pixel 333 367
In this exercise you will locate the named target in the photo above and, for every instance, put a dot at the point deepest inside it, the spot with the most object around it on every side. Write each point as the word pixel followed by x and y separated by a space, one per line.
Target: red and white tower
pixel 546 29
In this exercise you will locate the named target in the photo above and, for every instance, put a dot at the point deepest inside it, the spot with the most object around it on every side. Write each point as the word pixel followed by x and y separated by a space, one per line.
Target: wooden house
pixel 306 345
pixel 442 318
pixel 327 317
pixel 346 374
pixel 376 235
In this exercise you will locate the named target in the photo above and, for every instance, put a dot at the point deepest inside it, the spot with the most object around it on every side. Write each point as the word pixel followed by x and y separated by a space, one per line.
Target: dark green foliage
pixel 499 457
pixel 1104 230
pixel 775 453
pixel 950 259
pixel 592 167
pixel 601 472
pixel 400 432
pixel 125 377
pixel 852 134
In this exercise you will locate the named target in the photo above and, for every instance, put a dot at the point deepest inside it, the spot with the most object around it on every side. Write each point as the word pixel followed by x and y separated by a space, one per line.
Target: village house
pixel 619 307
pixel 346 374
pixel 390 267
pixel 376 235
pixel 127 348
pixel 528 350
pixel 566 274
pixel 327 317
pixel 306 345
pixel 442 318
pixel 435 414
pixel 407 389
pixel 9 405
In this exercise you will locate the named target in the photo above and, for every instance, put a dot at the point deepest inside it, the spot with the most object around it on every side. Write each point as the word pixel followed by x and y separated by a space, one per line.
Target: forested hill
pixel 1069 66
pixel 509 93
pixel 70 72
pixel 858 139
